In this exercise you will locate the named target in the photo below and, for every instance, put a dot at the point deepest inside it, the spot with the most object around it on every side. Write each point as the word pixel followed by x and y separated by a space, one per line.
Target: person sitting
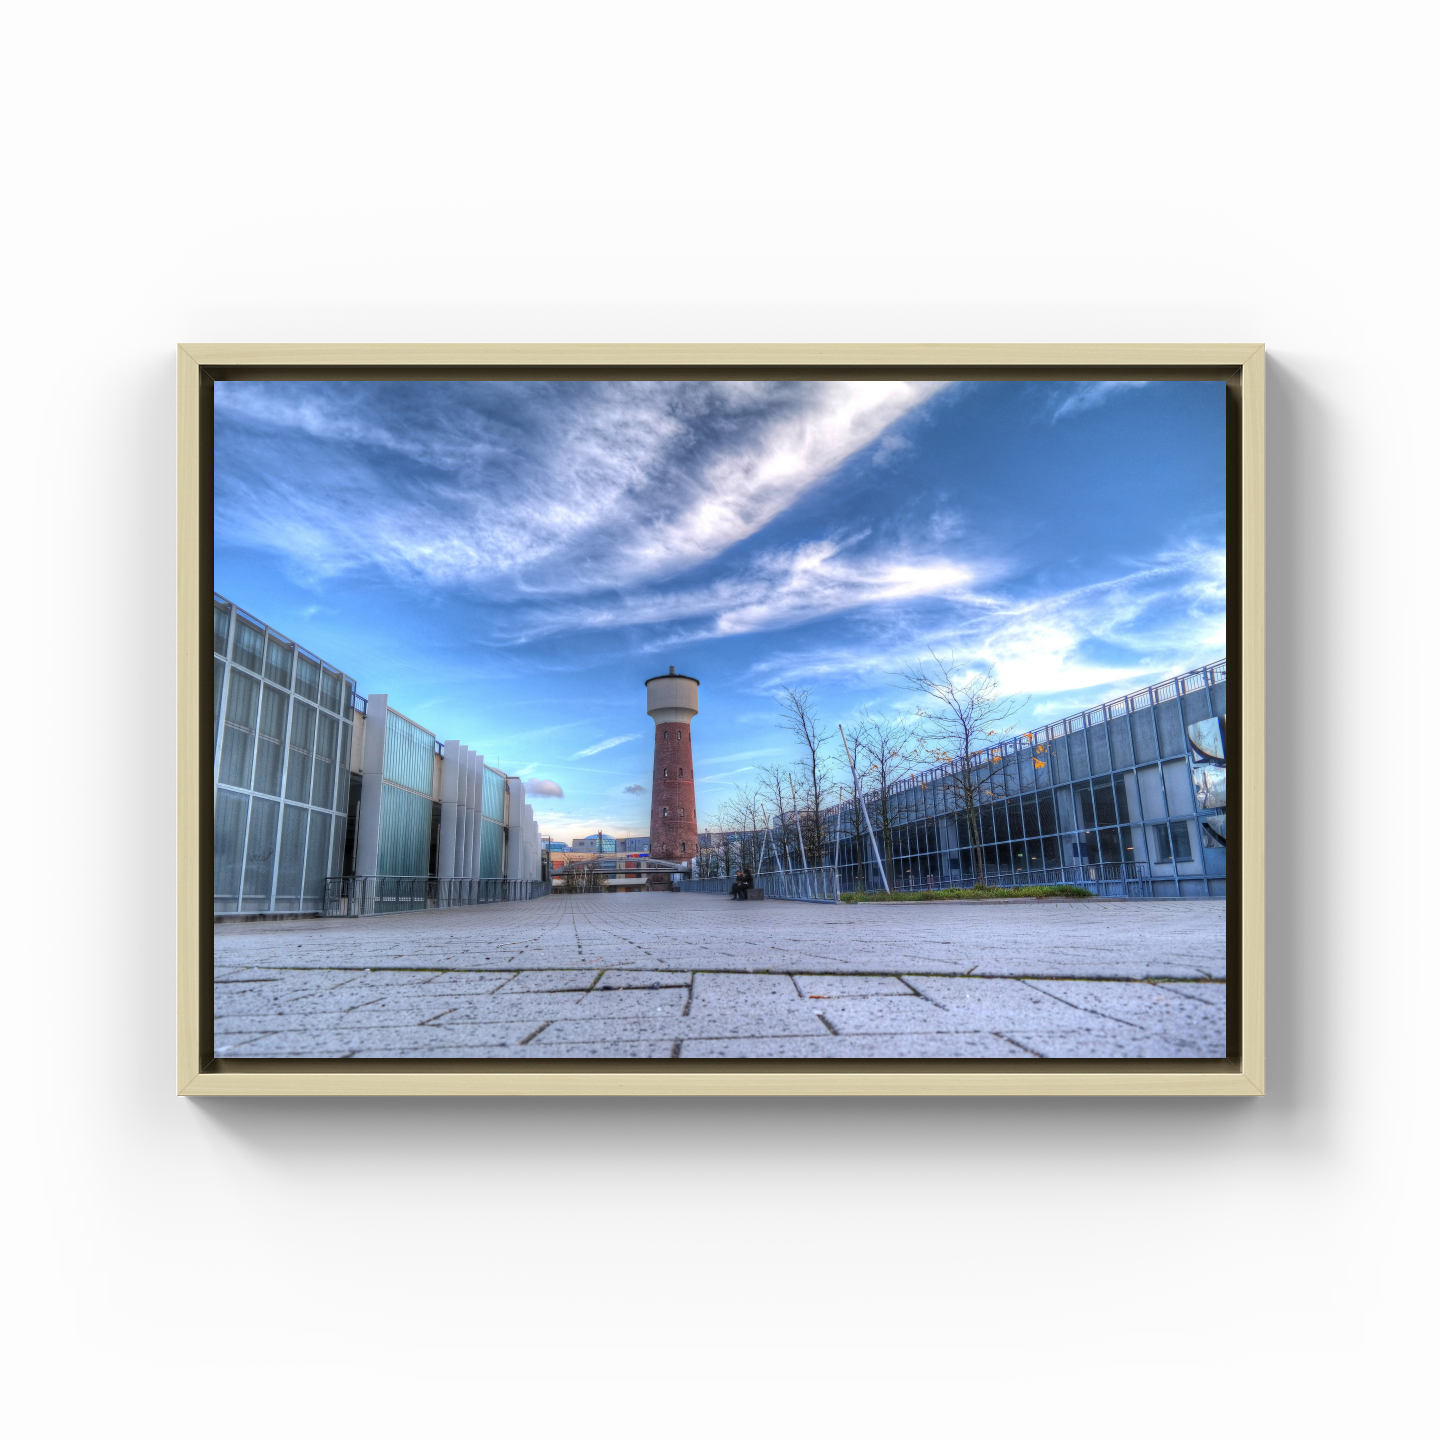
pixel 743 881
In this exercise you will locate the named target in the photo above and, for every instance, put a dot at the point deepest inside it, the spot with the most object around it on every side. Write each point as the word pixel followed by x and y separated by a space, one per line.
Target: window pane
pixel 404 832
pixel 409 754
pixel 270 748
pixel 249 647
pixel 222 628
pixel 292 859
pixel 316 859
pixel 1180 840
pixel 302 742
pixel 1110 847
pixel 240 712
pixel 260 854
pixel 230 812
pixel 342 773
pixel 219 695
pixel 322 789
pixel 307 678
pixel 1017 823
pixel 1086 807
pixel 1051 847
pixel 1105 803
pixel 1046 803
pixel 331 690
pixel 1032 818
pixel 277 662
pixel 1163 854
pixel 337 848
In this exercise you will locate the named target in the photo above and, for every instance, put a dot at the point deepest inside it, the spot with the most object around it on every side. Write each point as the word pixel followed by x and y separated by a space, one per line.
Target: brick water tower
pixel 673 702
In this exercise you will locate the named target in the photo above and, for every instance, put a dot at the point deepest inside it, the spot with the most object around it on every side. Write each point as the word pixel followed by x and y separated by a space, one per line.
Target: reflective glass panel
pixel 1032 818
pixel 231 811
pixel 270 746
pixel 331 690
pixel 409 758
pixel 292 858
pixel 222 628
pixel 307 678
pixel 1180 840
pixel 1110 847
pixel 1207 739
pixel 249 647
pixel 1046 803
pixel 302 742
pixel 1160 838
pixel 1086 807
pixel 1209 787
pixel 219 695
pixel 1105 803
pixel 260 854
pixel 316 860
pixel 1212 832
pixel 240 712
pixel 278 660
pixel 327 728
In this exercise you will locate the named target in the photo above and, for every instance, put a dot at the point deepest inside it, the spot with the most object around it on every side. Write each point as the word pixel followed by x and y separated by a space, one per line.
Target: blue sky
pixel 510 561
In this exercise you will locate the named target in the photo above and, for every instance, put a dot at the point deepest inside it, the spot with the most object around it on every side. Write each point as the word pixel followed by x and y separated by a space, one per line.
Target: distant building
pixel 314 782
pixel 556 847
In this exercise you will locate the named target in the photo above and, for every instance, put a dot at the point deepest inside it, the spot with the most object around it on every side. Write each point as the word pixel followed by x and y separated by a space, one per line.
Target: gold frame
pixel 1242 366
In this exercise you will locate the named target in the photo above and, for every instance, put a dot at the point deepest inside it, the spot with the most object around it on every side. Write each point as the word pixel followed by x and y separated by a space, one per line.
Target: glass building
pixel 283 721
pixel 315 784
pixel 1127 798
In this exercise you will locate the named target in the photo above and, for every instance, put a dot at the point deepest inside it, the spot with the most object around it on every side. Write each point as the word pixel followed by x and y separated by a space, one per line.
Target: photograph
pixel 728 719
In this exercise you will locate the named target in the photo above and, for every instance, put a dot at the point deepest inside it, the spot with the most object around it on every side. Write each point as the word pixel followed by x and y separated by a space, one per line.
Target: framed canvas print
pixel 721 719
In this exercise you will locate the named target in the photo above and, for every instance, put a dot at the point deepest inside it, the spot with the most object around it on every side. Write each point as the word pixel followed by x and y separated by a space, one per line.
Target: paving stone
pixel 1148 1007
pixel 957 1046
pixel 1109 1044
pixel 848 987
pixel 485 979
pixel 993 1004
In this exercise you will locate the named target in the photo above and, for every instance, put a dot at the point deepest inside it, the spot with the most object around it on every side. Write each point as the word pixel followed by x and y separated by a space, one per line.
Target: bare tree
pixel 776 782
pixel 965 717
pixel 886 750
pixel 745 818
pixel 801 718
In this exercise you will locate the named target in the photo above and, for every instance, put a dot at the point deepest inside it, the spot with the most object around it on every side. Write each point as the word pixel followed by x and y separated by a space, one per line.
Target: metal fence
pixel 386 894
pixel 1129 879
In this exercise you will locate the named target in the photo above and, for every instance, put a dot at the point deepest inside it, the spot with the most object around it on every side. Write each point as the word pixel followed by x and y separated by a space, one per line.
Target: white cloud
pixel 1161 619
pixel 1075 399
pixel 549 789
pixel 604 745
pixel 775 590
pixel 571 489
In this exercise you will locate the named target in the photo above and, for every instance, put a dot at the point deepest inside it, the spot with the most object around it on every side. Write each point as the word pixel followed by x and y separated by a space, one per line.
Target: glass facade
pixel 1113 796
pixel 282 763
pixel 407 809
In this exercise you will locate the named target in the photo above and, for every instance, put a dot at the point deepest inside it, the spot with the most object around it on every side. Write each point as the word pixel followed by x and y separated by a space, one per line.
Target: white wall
pixel 736 172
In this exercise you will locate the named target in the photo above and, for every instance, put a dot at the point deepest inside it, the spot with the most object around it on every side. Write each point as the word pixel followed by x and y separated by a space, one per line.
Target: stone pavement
pixel 662 976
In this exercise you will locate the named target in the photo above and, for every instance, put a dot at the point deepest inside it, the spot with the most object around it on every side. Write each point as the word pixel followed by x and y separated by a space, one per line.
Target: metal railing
pixel 387 894
pixel 1129 879
pixel 820 884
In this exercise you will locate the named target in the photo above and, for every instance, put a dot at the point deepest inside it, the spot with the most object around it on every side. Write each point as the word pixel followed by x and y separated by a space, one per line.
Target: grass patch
pixel 989 892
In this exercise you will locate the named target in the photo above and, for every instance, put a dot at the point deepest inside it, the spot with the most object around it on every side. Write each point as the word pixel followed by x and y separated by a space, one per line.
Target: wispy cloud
pixel 604 745
pixel 769 592
pixel 1156 619
pixel 1075 399
pixel 634 789
pixel 564 487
